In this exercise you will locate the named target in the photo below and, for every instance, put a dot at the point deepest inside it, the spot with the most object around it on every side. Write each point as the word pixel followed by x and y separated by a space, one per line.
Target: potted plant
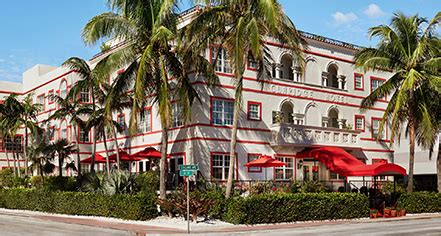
pixel 403 212
pixel 399 212
pixel 387 212
pixel 393 212
pixel 373 213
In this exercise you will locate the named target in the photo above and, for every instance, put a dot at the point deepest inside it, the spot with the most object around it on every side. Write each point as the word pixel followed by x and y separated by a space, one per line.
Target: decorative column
pixel 325 78
pixel 325 121
pixel 341 123
pixel 341 81
pixel 278 74
pixel 297 72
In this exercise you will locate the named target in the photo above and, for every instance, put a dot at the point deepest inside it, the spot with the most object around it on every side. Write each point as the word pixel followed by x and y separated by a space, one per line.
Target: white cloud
pixel 342 18
pixel 373 11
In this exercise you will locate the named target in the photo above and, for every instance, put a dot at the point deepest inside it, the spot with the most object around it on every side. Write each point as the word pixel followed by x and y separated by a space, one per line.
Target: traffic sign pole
pixel 188 204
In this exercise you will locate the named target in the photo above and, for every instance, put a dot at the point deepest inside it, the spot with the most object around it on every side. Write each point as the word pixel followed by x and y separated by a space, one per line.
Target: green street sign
pixel 189 167
pixel 187 173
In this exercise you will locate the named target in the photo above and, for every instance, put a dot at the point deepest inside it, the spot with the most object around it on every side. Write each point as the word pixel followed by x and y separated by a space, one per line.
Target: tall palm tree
pixel 241 27
pixel 91 80
pixel 74 111
pixel 41 158
pixel 115 100
pixel 63 149
pixel 148 29
pixel 412 53
pixel 29 120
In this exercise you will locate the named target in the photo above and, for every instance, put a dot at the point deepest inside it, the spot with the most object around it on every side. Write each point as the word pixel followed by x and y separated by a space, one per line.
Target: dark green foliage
pixel 148 181
pixel 313 187
pixel 8 180
pixel 275 208
pixel 57 183
pixel 132 207
pixel 420 202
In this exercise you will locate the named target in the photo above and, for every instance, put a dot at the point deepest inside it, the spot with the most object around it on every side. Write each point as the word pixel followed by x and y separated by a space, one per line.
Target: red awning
pixel 98 159
pixel 343 163
pixel 265 161
pixel 148 153
pixel 124 156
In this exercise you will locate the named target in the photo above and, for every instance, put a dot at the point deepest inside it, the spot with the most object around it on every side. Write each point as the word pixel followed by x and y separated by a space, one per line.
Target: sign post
pixel 187 171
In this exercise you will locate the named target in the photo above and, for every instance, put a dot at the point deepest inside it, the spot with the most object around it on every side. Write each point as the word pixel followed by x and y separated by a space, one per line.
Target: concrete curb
pixel 152 229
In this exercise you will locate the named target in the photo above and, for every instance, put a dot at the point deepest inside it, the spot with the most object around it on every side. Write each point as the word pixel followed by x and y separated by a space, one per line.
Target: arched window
pixel 287 111
pixel 286 67
pixel 332 76
pixel 333 118
pixel 63 130
pixel 63 89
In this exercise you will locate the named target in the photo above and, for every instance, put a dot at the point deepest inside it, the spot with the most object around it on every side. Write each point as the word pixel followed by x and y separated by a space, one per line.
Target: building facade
pixel 297 109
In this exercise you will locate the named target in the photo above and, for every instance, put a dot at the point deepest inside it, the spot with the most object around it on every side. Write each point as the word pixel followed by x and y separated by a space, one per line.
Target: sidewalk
pixel 178 226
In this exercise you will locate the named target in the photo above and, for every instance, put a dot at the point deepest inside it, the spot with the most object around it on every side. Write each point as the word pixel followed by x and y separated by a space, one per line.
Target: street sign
pixel 189 167
pixel 187 173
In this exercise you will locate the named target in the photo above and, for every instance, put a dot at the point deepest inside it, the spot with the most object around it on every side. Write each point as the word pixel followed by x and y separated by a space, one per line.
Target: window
pixel 222 112
pixel 285 172
pixel 220 164
pixel 85 95
pixel 335 176
pixel 252 157
pixel 359 123
pixel 50 96
pixel 84 136
pixel 252 64
pixel 63 130
pixel 121 120
pixel 63 89
pixel 144 121
pixel 222 63
pixel 14 145
pixel 40 100
pixel 376 127
pixel 375 83
pixel 177 115
pixel 51 133
pixel 254 111
pixel 358 81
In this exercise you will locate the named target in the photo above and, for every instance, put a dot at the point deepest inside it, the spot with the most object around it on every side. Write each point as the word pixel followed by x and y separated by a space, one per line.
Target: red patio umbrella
pixel 265 162
pixel 98 159
pixel 148 153
pixel 124 156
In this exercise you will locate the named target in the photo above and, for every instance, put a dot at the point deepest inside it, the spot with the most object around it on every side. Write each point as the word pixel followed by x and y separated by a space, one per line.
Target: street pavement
pixel 29 223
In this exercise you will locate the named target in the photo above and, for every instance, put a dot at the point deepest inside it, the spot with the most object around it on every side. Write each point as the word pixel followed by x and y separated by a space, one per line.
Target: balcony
pixel 285 134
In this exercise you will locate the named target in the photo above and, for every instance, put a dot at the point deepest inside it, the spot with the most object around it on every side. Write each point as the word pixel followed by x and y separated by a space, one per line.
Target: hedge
pixel 420 202
pixel 276 208
pixel 141 206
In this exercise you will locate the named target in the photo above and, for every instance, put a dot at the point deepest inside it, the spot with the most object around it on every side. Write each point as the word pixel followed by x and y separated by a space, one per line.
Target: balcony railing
pixel 291 134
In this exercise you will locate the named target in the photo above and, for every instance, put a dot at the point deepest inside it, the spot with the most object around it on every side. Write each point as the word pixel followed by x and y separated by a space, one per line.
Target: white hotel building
pixel 295 110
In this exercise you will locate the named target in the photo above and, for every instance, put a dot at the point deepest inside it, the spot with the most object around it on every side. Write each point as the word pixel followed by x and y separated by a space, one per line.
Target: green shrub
pixel 37 181
pixel 147 182
pixel 57 183
pixel 132 207
pixel 276 208
pixel 313 187
pixel 6 178
pixel 420 202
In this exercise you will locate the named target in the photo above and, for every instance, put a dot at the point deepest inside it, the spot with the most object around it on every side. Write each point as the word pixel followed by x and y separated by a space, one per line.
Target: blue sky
pixel 48 32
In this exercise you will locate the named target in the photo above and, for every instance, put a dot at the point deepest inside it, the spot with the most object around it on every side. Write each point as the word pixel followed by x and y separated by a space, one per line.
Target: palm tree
pixel 240 27
pixel 71 109
pixel 40 158
pixel 412 53
pixel 29 119
pixel 148 29
pixel 63 149
pixel 92 79
pixel 114 100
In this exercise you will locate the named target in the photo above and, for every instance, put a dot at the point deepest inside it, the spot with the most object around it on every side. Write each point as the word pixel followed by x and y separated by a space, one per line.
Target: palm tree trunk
pixel 15 164
pixel 116 146
pixel 18 163
pixel 162 170
pixel 60 165
pixel 107 152
pixel 25 148
pixel 92 164
pixel 411 155
pixel 78 152
pixel 233 150
pixel 7 158
pixel 439 166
